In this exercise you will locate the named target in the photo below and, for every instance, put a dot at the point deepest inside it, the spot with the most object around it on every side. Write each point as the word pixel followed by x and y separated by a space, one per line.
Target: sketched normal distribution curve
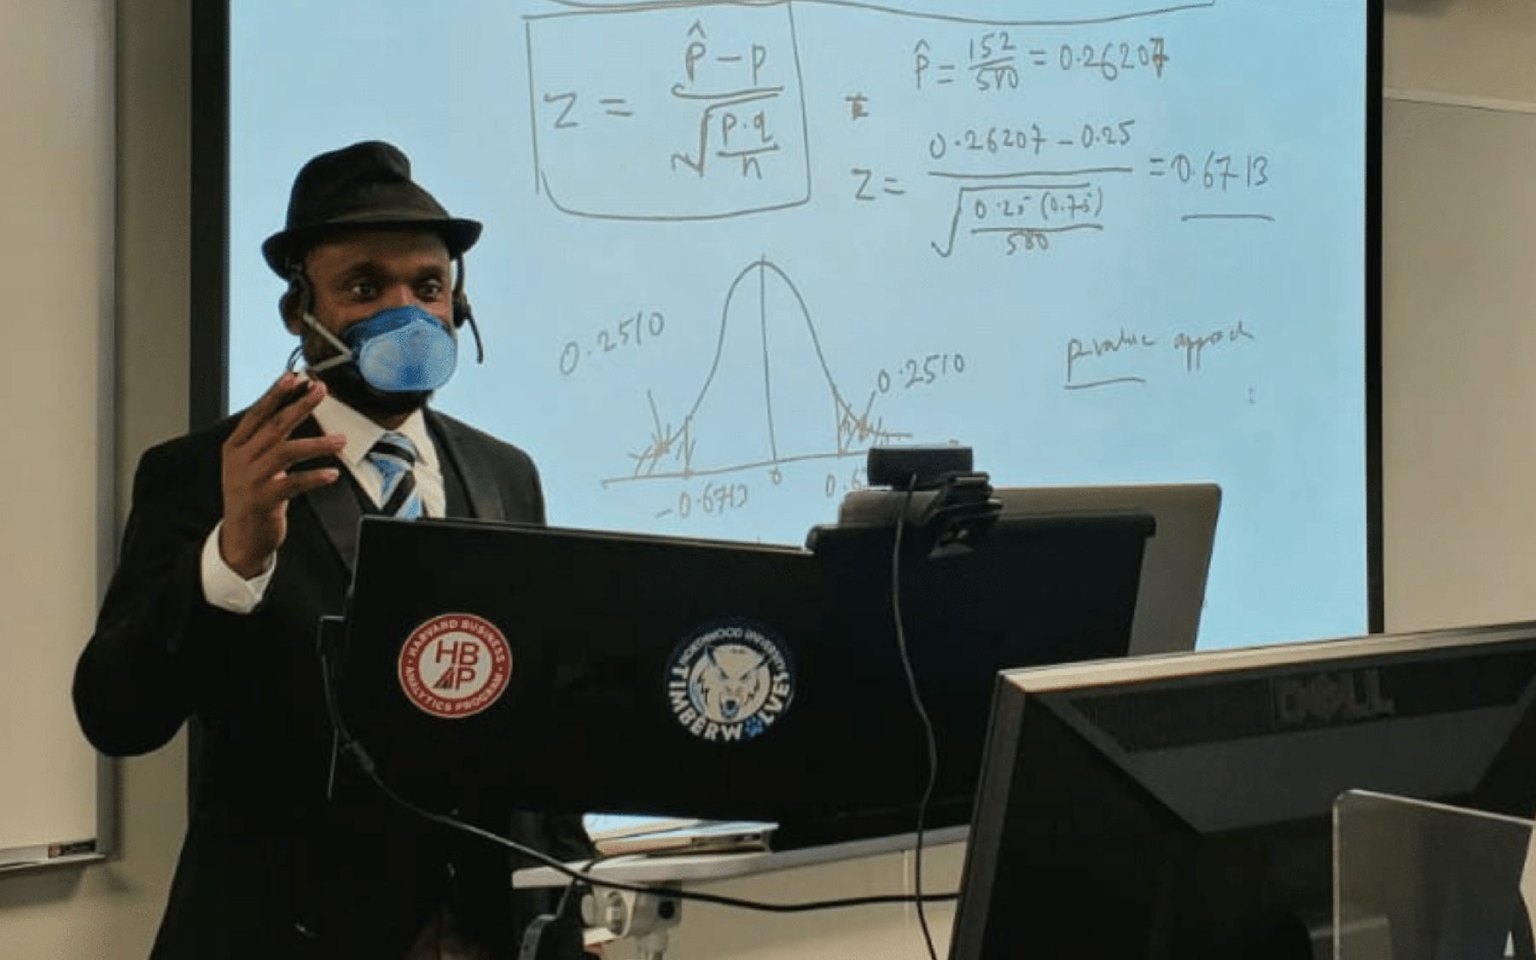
pixel 769 398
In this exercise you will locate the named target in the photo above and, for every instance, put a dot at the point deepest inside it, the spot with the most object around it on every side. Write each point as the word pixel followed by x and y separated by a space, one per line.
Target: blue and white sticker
pixel 730 681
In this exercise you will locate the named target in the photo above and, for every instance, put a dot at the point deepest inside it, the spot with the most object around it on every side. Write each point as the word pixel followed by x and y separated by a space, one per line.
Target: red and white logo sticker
pixel 455 665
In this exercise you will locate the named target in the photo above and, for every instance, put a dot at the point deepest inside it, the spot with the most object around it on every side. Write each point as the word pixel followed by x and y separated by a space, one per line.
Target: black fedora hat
pixel 365 184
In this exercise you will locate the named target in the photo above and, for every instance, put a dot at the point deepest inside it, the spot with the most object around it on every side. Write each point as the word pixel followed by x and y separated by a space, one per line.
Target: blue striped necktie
pixel 395 456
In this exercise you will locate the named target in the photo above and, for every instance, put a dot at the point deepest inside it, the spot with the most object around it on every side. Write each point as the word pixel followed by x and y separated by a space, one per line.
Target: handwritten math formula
pixel 861 219
pixel 1001 60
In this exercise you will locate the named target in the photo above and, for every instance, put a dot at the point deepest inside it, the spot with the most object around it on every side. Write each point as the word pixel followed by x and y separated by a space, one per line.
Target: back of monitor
pixel 1178 556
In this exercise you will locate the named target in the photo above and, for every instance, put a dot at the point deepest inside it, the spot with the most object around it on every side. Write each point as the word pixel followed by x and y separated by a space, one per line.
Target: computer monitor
pixel 1178 807
pixel 1174 567
pixel 1178 558
pixel 594 671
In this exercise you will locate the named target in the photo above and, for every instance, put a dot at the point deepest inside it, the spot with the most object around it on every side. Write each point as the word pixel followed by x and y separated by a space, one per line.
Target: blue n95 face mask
pixel 399 350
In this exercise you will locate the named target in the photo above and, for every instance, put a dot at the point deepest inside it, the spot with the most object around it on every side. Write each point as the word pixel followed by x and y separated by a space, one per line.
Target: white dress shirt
pixel 227 590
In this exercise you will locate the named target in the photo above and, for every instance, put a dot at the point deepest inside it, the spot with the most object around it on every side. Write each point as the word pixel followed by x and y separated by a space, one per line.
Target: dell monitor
pixel 627 673
pixel 1179 807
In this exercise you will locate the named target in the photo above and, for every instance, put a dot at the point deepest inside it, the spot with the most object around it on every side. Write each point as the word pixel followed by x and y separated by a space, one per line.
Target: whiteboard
pixel 56 517
pixel 729 246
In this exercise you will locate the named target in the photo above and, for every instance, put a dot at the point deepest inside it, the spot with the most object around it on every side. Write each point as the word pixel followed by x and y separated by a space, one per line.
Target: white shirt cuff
pixel 226 589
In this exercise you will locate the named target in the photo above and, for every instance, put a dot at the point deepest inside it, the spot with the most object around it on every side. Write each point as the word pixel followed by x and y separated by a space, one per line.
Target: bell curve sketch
pixel 769 398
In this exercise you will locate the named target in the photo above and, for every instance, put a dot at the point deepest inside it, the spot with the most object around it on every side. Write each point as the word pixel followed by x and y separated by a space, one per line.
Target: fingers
pixel 256 462
pixel 275 416
pixel 259 453
pixel 289 485
pixel 264 407
pixel 270 472
pixel 289 452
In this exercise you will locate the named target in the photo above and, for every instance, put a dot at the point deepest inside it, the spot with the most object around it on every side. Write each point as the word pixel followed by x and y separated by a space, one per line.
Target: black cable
pixel 365 762
pixel 565 895
pixel 532 945
pixel 922 713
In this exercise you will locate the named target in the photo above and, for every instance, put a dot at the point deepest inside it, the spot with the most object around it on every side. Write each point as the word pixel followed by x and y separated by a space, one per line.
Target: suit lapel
pixel 459 452
pixel 336 506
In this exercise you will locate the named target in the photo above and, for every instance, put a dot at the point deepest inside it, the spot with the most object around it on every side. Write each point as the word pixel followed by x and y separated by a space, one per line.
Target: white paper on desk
pixel 700 837
pixel 604 826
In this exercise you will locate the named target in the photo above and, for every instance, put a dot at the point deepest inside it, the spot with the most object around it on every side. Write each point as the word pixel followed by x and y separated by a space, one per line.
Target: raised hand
pixel 257 479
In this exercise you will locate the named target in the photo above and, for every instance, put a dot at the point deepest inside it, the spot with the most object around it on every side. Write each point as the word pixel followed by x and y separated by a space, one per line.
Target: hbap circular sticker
pixel 730 682
pixel 455 665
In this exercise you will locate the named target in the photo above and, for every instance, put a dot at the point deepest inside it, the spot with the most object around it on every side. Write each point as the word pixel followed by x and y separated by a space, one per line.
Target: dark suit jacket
pixel 271 867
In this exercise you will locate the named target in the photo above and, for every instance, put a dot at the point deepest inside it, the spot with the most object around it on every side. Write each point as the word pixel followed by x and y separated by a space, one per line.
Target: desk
pixel 857 868
pixel 679 869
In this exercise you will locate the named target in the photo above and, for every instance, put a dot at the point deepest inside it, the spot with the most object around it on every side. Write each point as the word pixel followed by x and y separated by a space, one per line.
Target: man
pixel 241 537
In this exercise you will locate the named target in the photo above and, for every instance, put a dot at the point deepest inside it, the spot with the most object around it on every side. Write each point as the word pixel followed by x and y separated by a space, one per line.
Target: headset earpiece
pixel 297 299
pixel 298 289
pixel 462 312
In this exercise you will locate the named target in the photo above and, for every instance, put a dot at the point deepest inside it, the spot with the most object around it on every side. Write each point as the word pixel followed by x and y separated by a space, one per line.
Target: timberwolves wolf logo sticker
pixel 730 682
pixel 455 665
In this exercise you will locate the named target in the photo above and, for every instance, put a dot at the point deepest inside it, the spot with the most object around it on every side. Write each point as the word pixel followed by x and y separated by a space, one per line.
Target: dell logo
pixel 1331 697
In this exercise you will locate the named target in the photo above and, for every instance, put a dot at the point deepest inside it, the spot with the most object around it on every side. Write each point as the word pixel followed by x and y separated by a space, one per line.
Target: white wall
pixel 76 125
pixel 1459 359
pixel 1462 48
pixel 1459 353
pixel 1459 312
